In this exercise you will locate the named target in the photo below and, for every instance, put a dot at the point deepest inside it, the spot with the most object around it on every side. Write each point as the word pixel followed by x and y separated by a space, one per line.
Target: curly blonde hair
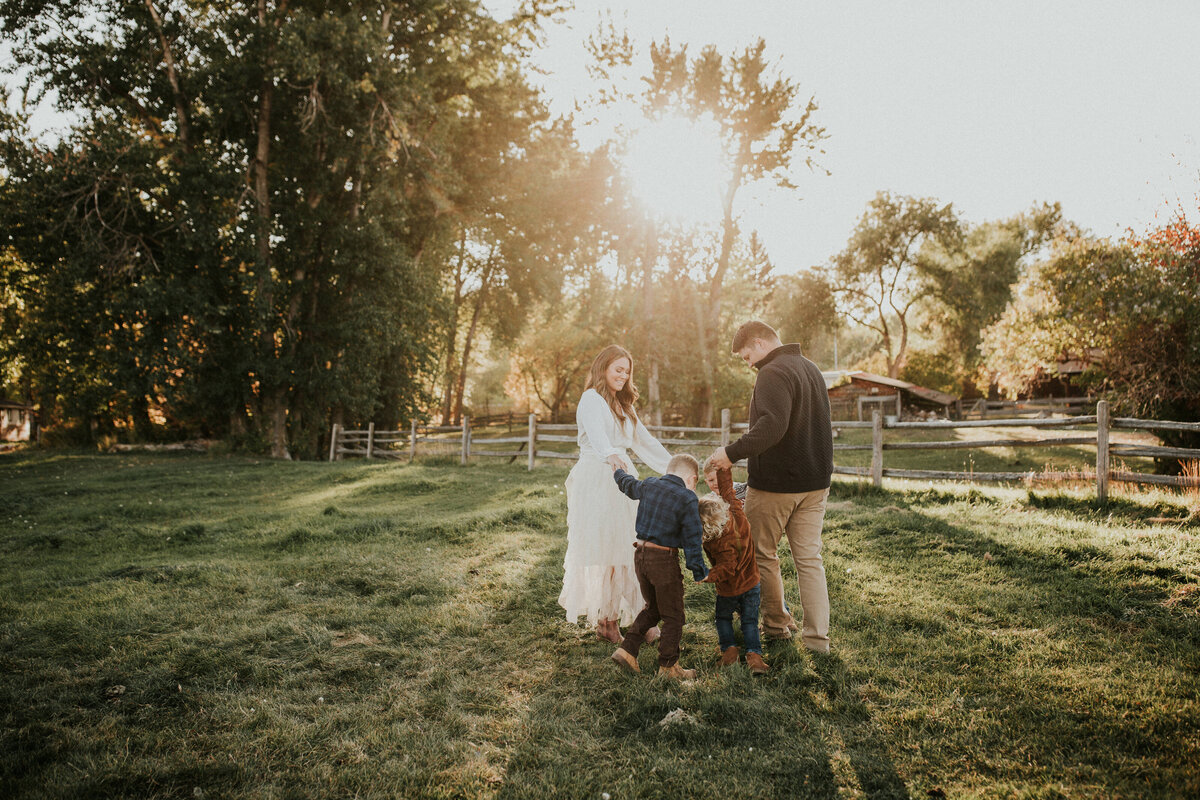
pixel 714 513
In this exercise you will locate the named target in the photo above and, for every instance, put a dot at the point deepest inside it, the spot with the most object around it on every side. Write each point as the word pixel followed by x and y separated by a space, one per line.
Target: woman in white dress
pixel 599 578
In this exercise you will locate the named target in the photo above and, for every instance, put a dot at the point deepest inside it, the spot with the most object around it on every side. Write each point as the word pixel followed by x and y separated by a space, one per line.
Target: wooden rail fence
pixel 1044 406
pixel 372 443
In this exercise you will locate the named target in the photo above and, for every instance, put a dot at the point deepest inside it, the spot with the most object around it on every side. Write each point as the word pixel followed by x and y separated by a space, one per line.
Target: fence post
pixel 412 440
pixel 1102 451
pixel 333 442
pixel 532 439
pixel 466 438
pixel 370 439
pixel 877 447
pixel 726 427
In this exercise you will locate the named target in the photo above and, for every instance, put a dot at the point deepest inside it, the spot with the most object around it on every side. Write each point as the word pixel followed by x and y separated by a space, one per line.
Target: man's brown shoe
pixel 676 672
pixel 625 660
pixel 756 664
pixel 730 656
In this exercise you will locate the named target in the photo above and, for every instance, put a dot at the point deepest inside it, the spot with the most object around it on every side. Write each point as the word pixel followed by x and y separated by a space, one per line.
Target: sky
pixel 992 106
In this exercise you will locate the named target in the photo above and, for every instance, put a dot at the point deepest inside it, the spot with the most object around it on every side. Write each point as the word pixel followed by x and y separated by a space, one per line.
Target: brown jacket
pixel 731 554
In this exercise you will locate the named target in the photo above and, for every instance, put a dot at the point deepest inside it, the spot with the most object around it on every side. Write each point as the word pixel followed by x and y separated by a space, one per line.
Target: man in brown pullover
pixel 789 452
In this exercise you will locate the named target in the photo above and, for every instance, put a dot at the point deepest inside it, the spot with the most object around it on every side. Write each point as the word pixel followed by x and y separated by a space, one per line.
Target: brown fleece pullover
pixel 731 554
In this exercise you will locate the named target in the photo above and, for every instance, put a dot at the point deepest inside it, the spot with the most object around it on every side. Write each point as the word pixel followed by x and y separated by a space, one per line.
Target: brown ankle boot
pixel 676 672
pixel 730 656
pixel 626 660
pixel 756 664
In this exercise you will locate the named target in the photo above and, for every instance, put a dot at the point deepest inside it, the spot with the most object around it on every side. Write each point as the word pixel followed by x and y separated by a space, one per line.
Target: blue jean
pixel 746 604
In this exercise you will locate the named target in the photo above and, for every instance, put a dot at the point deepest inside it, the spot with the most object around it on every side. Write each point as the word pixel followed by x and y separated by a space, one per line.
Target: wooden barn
pixel 16 421
pixel 865 392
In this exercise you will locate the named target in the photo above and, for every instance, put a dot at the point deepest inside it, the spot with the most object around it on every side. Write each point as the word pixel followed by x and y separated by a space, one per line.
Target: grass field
pixel 224 627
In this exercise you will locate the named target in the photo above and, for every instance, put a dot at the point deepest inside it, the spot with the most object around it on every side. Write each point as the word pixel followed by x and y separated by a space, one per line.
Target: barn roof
pixel 932 395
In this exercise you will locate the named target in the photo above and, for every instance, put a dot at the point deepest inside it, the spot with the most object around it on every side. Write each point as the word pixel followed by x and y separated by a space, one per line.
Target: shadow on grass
pixel 861 737
pixel 1119 509
pixel 592 729
pixel 1001 636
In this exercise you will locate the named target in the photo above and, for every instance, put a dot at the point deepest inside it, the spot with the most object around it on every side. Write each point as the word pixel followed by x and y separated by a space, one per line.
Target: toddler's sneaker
pixel 730 656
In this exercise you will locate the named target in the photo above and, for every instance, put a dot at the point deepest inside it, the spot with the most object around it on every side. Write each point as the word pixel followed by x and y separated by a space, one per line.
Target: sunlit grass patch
pixel 169 624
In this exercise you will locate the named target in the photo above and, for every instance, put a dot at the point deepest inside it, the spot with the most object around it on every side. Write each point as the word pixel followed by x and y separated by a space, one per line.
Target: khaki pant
pixel 799 516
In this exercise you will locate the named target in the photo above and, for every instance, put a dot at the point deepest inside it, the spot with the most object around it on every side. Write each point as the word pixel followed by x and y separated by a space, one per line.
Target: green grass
pixel 255 629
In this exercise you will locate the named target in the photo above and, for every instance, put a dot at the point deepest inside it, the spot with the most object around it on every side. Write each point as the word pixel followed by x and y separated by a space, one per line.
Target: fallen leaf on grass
pixel 115 691
pixel 1186 596
pixel 346 639
pixel 677 717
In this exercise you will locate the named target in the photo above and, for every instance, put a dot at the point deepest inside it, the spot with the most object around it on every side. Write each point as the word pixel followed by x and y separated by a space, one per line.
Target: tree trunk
pixel 652 391
pixel 181 111
pixel 237 422
pixel 712 326
pixel 452 331
pixel 649 315
pixel 275 404
pixel 707 389
pixel 480 302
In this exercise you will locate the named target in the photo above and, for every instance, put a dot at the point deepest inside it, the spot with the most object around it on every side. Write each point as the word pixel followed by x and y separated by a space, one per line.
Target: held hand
pixel 720 460
pixel 616 462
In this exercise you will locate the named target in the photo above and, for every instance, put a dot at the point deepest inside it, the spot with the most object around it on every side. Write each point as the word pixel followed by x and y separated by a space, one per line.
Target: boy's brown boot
pixel 626 660
pixel 756 664
pixel 676 672
pixel 730 656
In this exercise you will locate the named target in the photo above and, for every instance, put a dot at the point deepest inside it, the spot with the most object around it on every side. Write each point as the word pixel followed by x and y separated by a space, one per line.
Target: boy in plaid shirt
pixel 668 518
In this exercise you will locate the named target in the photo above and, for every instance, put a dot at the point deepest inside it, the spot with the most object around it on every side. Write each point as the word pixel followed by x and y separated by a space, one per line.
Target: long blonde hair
pixel 621 402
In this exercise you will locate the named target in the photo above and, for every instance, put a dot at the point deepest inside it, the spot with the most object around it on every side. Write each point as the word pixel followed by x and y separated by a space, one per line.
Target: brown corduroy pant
pixel 662 589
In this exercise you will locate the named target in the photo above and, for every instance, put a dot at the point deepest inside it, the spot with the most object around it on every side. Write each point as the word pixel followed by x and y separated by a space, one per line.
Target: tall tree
pixel 516 243
pixel 877 276
pixel 804 308
pixel 1129 307
pixel 268 185
pixel 764 125
pixel 970 279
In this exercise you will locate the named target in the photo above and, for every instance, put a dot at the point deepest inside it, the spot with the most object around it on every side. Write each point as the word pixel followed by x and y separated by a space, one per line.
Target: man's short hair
pixel 752 330
pixel 683 465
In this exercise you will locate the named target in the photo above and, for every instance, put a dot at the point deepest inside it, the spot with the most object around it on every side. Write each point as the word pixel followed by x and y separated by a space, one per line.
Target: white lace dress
pixel 598 576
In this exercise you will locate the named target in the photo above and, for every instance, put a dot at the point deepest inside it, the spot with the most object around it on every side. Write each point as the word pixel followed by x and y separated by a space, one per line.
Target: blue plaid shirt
pixel 668 514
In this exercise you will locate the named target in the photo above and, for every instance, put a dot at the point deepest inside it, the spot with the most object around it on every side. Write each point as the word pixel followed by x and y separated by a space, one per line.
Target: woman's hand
pixel 616 462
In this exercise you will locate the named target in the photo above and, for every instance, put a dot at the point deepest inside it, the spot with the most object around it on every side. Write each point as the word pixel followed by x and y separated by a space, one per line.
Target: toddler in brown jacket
pixel 726 541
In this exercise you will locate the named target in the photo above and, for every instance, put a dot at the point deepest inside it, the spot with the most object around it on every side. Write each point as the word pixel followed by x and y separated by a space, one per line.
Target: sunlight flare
pixel 677 168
